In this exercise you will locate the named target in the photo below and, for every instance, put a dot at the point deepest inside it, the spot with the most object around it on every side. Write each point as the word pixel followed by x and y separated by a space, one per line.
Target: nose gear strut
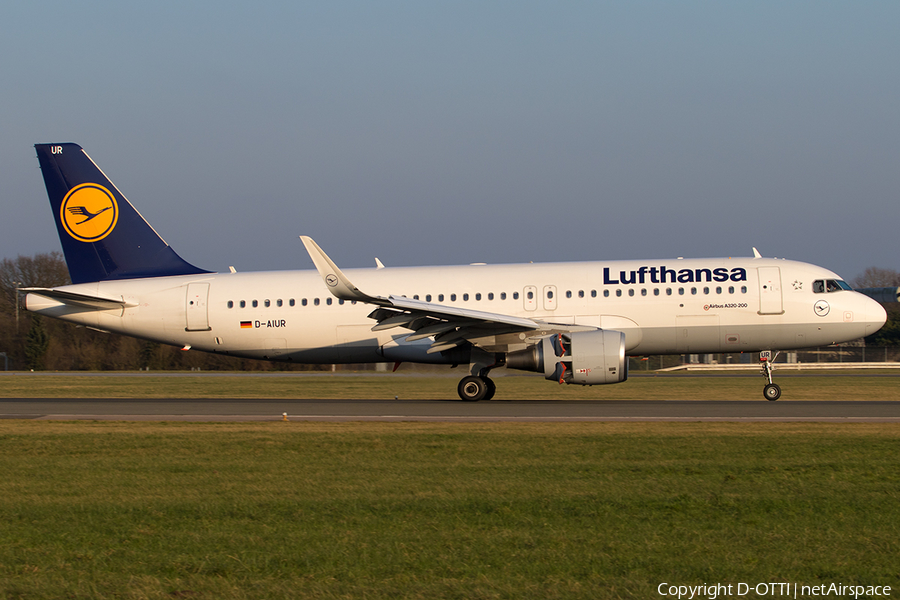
pixel 772 391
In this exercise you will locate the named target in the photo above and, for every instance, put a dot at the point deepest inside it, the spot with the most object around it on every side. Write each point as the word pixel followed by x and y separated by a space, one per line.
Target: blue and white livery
pixel 573 322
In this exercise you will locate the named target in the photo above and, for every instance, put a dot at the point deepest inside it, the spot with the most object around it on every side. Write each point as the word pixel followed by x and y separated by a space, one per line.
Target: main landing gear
pixel 478 386
pixel 772 391
pixel 474 388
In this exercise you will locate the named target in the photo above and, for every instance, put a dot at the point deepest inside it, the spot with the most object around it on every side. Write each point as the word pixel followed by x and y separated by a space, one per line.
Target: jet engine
pixel 583 357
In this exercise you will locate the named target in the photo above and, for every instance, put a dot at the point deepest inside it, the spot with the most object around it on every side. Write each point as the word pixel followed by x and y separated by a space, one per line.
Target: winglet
pixel 334 278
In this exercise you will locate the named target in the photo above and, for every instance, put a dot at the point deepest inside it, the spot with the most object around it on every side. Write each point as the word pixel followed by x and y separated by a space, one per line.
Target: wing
pixel 449 325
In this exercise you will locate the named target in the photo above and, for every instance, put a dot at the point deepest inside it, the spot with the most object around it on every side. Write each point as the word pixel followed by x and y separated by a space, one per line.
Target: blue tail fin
pixel 102 235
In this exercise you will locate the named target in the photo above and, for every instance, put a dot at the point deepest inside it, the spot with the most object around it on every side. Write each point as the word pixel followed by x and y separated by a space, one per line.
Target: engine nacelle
pixel 583 357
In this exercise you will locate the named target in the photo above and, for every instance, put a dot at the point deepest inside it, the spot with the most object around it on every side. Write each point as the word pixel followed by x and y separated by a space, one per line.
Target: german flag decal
pixel 246 324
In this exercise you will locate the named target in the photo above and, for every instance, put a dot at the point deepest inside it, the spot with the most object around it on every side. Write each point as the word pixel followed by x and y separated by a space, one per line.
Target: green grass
pixel 418 510
pixel 812 386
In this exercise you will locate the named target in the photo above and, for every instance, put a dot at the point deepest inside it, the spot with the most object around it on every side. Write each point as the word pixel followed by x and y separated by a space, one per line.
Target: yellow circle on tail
pixel 89 212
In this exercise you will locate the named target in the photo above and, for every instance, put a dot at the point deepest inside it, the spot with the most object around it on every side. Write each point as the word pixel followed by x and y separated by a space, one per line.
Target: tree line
pixel 34 342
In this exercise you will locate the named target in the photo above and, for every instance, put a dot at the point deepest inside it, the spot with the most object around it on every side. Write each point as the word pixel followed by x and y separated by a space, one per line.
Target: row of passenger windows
pixel 267 303
pixel 681 291
pixel 530 295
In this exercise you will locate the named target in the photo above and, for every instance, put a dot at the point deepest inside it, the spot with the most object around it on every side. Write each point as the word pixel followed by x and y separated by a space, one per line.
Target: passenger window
pixel 531 295
pixel 618 293
pixel 291 302
pixel 243 304
pixel 231 304
pixel 568 294
pixel 490 295
pixel 452 297
pixel 631 292
pixel 681 291
pixel 718 289
pixel 643 292
pixel 743 289
pixel 693 291
pixel 440 297
pixel 255 303
pixel 668 291
pixel 304 302
pixel 581 293
pixel 730 289
pixel 316 301
pixel 503 295
pixel 515 295
pixel 279 302
pixel 594 293
pixel 415 296
pixel 606 293
pixel 656 291
pixel 465 297
pixel 705 290
pixel 267 303
pixel 550 294
pixel 478 296
pixel 328 301
pixel 427 297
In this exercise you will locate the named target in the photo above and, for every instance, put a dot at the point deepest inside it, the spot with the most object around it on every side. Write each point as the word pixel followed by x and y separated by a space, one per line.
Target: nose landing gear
pixel 772 391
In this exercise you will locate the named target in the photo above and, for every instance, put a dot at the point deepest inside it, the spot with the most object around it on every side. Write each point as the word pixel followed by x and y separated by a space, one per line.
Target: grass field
pixel 417 510
pixel 866 385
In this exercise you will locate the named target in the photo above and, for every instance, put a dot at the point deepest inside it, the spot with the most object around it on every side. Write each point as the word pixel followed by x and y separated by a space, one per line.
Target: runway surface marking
pixel 442 410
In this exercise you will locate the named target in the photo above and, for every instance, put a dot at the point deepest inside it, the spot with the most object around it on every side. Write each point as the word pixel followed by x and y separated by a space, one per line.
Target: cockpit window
pixel 826 286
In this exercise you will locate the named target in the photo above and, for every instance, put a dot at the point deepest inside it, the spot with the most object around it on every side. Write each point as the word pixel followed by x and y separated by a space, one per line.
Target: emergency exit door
pixel 196 307
pixel 770 299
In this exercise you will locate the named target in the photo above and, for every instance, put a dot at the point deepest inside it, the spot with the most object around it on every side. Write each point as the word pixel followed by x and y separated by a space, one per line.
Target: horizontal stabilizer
pixel 81 300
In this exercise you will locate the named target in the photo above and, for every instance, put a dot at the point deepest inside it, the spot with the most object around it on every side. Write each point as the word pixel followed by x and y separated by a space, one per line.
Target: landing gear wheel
pixel 472 389
pixel 772 392
pixel 491 388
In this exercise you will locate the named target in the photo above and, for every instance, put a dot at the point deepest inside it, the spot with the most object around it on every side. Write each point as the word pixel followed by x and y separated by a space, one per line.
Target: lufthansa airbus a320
pixel 576 322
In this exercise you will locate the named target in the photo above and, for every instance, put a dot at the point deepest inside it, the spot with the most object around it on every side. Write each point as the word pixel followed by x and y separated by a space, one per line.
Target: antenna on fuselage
pixel 756 253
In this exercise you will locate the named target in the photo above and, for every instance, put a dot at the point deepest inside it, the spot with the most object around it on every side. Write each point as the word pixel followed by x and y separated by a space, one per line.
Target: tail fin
pixel 102 235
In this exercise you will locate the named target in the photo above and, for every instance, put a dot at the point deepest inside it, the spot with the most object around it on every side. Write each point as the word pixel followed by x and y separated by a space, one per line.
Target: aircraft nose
pixel 875 316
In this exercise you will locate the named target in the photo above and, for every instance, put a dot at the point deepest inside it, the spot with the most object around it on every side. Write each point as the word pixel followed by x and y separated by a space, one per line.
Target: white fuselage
pixel 663 307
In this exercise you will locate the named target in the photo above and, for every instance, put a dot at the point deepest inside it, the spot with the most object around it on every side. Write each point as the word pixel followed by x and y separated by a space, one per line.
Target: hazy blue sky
pixel 456 132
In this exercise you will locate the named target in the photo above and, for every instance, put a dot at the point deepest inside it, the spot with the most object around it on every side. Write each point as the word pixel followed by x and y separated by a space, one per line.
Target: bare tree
pixel 875 277
pixel 41 270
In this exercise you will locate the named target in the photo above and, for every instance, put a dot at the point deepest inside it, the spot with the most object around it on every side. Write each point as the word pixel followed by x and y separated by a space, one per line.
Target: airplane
pixel 573 322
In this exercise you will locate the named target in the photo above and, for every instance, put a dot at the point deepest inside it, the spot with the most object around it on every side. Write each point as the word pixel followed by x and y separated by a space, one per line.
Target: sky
pixel 457 132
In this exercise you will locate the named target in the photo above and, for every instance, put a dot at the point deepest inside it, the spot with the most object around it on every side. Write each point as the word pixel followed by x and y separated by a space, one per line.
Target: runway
pixel 237 410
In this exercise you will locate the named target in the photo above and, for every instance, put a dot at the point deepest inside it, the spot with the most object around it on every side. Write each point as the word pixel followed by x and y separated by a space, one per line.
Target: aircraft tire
pixel 472 389
pixel 772 392
pixel 491 388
